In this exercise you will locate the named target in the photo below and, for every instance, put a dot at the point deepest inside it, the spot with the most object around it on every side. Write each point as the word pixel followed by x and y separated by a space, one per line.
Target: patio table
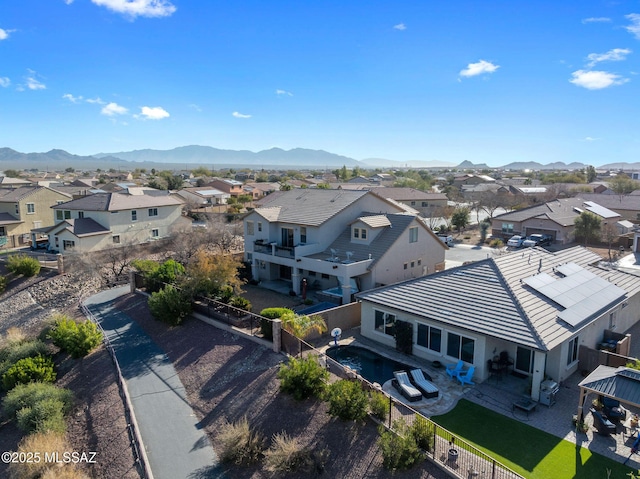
pixel 525 404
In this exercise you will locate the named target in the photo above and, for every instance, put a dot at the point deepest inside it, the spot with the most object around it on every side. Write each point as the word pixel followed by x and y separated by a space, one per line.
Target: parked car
pixel 537 240
pixel 515 241
pixel 446 239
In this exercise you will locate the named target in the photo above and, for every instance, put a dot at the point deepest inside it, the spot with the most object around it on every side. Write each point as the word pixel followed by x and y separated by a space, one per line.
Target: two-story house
pixel 536 308
pixel 103 220
pixel 203 196
pixel 427 204
pixel 25 208
pixel 338 241
pixel 231 187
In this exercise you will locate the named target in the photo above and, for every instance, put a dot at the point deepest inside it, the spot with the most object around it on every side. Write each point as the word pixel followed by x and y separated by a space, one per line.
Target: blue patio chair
pixel 454 369
pixel 465 378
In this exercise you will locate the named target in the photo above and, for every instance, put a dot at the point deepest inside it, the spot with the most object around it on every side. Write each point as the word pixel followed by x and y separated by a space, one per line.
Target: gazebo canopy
pixel 620 383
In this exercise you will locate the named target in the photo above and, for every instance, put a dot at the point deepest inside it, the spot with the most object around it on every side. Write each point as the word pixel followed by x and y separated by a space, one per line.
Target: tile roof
pixel 16 194
pixel 7 219
pixel 614 202
pixel 117 202
pixel 408 194
pixel 310 207
pixel 563 211
pixel 85 227
pixel 511 309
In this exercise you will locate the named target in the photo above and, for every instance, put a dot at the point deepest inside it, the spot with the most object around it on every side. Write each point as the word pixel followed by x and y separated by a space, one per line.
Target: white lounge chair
pixel 403 384
pixel 428 389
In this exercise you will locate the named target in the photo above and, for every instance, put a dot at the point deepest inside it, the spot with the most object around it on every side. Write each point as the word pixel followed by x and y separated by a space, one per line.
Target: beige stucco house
pixel 338 241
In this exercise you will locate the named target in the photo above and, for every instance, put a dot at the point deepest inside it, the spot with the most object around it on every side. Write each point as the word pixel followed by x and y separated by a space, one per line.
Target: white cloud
pixel 240 115
pixel 283 93
pixel 5 82
pixel 71 98
pixel 195 107
pixel 596 20
pixel 400 26
pixel 142 8
pixel 4 34
pixel 479 68
pixel 596 80
pixel 634 28
pixel 32 83
pixel 615 55
pixel 113 109
pixel 590 139
pixel 153 113
pixel 68 2
pixel 97 101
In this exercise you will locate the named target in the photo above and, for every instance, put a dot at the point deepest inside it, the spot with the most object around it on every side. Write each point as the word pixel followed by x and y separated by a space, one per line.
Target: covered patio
pixel 621 384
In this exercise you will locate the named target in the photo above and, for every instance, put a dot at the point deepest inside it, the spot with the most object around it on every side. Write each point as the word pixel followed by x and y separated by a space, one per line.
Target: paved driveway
pixel 460 253
pixel 175 446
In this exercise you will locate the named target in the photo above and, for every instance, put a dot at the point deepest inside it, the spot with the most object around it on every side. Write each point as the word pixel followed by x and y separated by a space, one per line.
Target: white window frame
pixel 134 215
pixel 572 351
pixel 250 228
pixel 389 320
pixel 153 212
pixel 31 208
pixel 413 234
pixel 155 233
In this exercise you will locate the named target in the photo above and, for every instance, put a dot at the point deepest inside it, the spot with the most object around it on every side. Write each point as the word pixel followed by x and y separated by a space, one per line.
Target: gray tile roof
pixel 614 202
pixel 562 211
pixel 407 194
pixel 489 297
pixel 117 202
pixel 310 207
pixel 7 219
pixel 85 227
pixel 397 224
pixel 16 194
pixel 472 297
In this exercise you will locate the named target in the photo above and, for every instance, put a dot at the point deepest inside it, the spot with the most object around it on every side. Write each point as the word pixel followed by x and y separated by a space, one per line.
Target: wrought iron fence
pixel 451 452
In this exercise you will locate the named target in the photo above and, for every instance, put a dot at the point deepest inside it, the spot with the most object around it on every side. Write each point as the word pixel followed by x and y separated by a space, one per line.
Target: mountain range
pixel 189 157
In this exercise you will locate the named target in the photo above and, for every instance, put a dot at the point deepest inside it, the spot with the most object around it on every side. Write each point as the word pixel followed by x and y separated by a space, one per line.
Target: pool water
pixel 371 366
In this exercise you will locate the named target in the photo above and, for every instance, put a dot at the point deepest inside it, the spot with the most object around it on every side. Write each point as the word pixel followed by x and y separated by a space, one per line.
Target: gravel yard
pixel 227 377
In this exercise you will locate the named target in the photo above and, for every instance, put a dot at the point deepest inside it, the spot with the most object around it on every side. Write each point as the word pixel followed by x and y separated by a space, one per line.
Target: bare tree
pixel 609 235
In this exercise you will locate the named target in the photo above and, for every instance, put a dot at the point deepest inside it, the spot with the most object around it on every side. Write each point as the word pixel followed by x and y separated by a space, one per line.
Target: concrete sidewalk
pixel 175 445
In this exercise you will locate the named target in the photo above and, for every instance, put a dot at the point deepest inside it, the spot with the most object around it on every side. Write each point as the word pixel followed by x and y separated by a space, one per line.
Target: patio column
pixel 276 326
pixel 581 404
pixel 539 363
pixel 346 291
pixel 254 270
pixel 295 278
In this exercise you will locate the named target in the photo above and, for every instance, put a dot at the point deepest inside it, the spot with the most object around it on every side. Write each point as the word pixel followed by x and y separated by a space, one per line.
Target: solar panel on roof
pixel 600 210
pixel 580 292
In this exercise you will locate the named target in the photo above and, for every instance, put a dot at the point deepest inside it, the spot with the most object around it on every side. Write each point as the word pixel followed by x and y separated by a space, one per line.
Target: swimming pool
pixel 371 366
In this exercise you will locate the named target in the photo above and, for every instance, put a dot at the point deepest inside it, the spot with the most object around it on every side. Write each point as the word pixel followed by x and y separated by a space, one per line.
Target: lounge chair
pixel 454 369
pixel 613 410
pixel 402 384
pixel 465 377
pixel 601 423
pixel 428 389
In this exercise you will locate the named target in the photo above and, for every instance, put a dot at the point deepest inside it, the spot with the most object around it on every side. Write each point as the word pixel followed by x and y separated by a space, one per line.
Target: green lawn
pixel 530 452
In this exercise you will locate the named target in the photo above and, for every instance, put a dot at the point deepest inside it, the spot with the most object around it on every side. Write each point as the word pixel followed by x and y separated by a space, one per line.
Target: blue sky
pixel 448 81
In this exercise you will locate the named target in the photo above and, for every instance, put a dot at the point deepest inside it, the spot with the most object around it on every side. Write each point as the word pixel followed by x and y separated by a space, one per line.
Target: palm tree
pixel 302 326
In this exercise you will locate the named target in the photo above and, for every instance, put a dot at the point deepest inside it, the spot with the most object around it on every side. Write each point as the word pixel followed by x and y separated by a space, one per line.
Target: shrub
pixel 44 416
pixel 423 433
pixel 167 272
pixel 27 395
pixel 23 264
pixel 240 444
pixel 303 378
pixel 347 400
pixel 404 336
pixel 496 243
pixel 77 339
pixel 170 305
pixel 379 405
pixel 266 327
pixel 3 284
pixel 399 451
pixel 39 368
pixel 286 454
pixel 50 443
pixel 145 266
pixel 240 302
pixel 14 351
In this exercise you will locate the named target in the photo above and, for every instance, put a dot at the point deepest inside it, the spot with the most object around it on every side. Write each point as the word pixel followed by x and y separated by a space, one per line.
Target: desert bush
pixel 285 454
pixel 37 369
pixel 3 284
pixel 23 264
pixel 15 350
pixel 347 400
pixel 145 266
pixel 27 395
pixel 240 302
pixel 266 327
pixel 49 443
pixel 240 443
pixel 399 450
pixel 168 272
pixel 44 416
pixel 303 378
pixel 379 405
pixel 170 305
pixel 496 243
pixel 77 339
pixel 422 432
